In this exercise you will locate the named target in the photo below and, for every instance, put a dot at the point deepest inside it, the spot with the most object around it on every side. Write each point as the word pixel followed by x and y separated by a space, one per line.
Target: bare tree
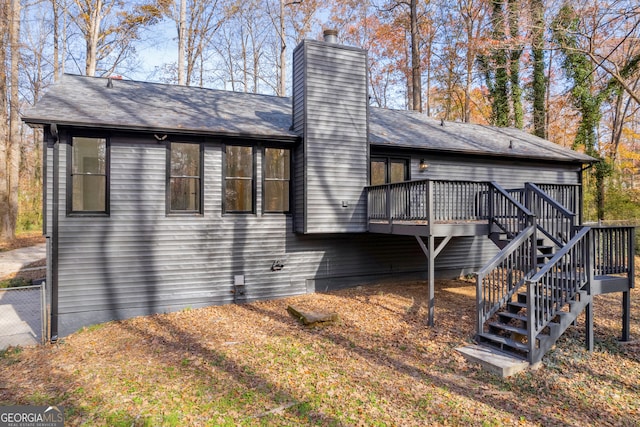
pixel 182 22
pixel 9 135
pixel 109 29
pixel 6 231
pixel 472 13
pixel 196 24
pixel 416 73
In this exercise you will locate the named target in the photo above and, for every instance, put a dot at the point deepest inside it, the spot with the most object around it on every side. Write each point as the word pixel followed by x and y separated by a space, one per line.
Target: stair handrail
pixel 507 213
pixel 516 261
pixel 567 195
pixel 556 283
pixel 554 220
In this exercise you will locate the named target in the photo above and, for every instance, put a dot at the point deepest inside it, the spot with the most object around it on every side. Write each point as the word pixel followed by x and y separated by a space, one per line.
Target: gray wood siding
pixel 330 112
pixel 509 174
pixel 139 260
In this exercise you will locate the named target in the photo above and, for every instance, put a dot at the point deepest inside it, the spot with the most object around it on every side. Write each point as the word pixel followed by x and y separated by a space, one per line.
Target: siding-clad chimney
pixel 330 112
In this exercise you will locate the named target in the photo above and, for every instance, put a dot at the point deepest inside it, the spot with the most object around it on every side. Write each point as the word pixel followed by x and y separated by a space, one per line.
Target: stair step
pixel 547 250
pixel 517 304
pixel 517 345
pixel 508 328
pixel 506 314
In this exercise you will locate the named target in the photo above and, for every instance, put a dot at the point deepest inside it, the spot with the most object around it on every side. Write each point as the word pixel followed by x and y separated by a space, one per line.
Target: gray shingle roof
pixel 410 129
pixel 88 102
pixel 131 105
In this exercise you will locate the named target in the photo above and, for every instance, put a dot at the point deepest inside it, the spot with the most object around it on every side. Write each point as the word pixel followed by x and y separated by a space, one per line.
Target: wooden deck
pixel 549 266
pixel 436 229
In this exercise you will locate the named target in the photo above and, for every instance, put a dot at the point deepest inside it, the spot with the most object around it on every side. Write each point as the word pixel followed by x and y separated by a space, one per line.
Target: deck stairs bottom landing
pixel 503 349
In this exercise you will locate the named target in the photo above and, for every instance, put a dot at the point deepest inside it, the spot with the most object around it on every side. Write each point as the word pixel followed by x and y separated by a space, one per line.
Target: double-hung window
pixel 185 178
pixel 277 178
pixel 89 176
pixel 239 179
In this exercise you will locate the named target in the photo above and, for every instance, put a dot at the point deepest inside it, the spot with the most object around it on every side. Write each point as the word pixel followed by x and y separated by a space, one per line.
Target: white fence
pixel 22 316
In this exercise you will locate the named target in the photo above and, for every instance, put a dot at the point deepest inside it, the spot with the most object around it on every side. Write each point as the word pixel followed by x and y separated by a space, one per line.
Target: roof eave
pixel 274 137
pixel 584 160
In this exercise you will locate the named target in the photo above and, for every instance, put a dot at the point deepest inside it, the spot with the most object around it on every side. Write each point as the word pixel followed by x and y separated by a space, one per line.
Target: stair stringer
pixel 557 328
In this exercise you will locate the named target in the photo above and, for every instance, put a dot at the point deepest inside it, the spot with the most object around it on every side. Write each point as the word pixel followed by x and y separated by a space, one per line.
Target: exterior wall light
pixel 423 165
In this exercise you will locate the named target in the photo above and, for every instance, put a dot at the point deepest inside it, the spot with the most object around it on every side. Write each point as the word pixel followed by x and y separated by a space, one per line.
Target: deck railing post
pixel 479 304
pixel 429 203
pixel 589 258
pixel 388 203
pixel 491 206
pixel 532 324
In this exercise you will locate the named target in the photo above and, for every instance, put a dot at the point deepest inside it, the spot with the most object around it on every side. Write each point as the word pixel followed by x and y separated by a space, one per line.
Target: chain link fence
pixel 22 316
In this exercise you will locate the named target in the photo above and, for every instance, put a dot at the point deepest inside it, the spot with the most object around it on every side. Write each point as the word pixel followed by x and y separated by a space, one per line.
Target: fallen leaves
pixel 381 365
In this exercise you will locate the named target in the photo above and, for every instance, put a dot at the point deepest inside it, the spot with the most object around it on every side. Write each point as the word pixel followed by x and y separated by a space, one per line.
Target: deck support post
pixel 588 320
pixel 431 252
pixel 626 315
pixel 432 262
pixel 626 296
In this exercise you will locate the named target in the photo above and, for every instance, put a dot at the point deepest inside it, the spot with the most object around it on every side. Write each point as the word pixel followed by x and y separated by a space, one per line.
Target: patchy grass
pixel 14 282
pixel 24 277
pixel 254 365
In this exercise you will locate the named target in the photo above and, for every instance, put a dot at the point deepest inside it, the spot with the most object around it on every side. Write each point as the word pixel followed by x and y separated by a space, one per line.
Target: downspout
pixel 54 233
pixel 581 191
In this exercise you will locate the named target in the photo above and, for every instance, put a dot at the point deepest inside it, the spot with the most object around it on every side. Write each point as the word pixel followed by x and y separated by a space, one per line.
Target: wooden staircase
pixel 547 271
pixel 540 281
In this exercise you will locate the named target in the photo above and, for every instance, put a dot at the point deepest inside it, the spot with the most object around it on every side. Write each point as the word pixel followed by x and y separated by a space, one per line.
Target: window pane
pixel 89 193
pixel 277 163
pixel 378 172
pixel 185 159
pixel 239 195
pixel 239 162
pixel 398 171
pixel 89 156
pixel 185 194
pixel 276 196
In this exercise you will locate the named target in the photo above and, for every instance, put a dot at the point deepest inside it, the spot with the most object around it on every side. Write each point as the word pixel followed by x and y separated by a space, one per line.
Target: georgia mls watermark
pixel 31 416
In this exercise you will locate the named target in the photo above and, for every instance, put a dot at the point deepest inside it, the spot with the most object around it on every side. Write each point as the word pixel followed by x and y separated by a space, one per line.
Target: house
pixel 161 197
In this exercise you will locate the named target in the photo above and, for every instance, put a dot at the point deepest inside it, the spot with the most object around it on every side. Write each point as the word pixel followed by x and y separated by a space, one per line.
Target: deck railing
pixel 613 250
pixel 553 219
pixel 428 200
pixel 501 277
pixel 447 201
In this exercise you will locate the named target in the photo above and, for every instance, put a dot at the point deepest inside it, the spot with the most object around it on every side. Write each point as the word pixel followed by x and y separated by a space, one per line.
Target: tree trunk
pixel 56 48
pixel 181 42
pixel 282 89
pixel 500 92
pixel 14 116
pixel 92 37
pixel 514 65
pixel 416 75
pixel 5 228
pixel 469 75
pixel 10 136
pixel 539 83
